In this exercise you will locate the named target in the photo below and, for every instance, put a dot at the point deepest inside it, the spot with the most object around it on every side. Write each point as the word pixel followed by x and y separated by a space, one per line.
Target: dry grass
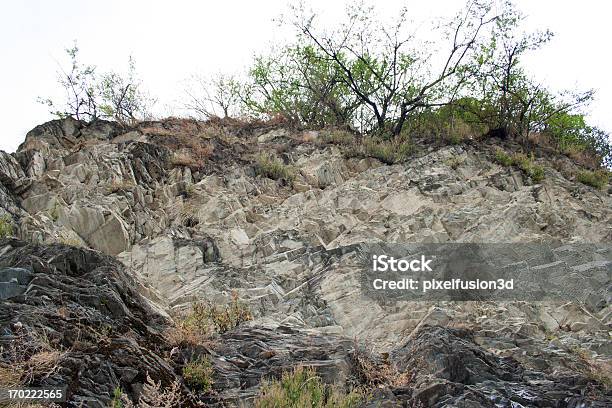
pixel 269 166
pixel 30 356
pixel 198 374
pixel 211 128
pixel 42 364
pixel 336 137
pixel 578 153
pixel 391 151
pixel 597 179
pixel 193 155
pixel 11 375
pixel 303 388
pixel 375 373
pixel 459 132
pixel 152 395
pixel 205 320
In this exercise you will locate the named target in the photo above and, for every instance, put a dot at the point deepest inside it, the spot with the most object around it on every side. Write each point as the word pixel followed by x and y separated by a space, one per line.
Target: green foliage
pixel 535 172
pixel 597 179
pixel 523 162
pixel 299 83
pixel 455 162
pixel 271 167
pixel 572 134
pixel 6 226
pixel 302 388
pixel 451 124
pixel 503 158
pixel 116 402
pixel 198 374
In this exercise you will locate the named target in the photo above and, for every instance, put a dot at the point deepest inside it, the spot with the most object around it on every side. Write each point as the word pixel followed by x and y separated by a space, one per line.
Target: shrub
pixel 597 179
pixel 6 226
pixel 503 158
pixel 523 162
pixel 194 155
pixel 206 319
pixel 454 162
pixel 271 167
pixel 535 172
pixel 116 402
pixel 302 388
pixel 225 318
pixel 376 372
pixel 153 395
pixel 337 137
pixel 387 151
pixel 91 97
pixel 198 374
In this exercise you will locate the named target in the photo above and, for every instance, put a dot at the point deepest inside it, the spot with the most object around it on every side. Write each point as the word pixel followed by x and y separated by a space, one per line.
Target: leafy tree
pixel 387 69
pixel 301 84
pixel 511 102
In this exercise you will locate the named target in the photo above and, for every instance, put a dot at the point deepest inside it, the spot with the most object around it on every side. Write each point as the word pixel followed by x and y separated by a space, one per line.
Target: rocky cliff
pixel 118 231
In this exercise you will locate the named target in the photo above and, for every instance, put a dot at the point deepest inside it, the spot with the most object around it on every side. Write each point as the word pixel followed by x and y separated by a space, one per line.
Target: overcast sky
pixel 170 40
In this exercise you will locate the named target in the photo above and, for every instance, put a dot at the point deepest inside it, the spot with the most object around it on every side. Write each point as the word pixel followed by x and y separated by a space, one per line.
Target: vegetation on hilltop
pixel 381 79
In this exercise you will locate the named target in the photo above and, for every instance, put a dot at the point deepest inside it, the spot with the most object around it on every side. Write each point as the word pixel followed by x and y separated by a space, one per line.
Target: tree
pixel 219 95
pixel 384 67
pixel 79 84
pixel 301 84
pixel 91 97
pixel 123 98
pixel 512 104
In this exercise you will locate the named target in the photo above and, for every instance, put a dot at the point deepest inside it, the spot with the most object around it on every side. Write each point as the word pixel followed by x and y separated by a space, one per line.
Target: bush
pixel 454 162
pixel 390 151
pixel 597 179
pixel 271 167
pixel 523 162
pixel 117 402
pixel 503 158
pixel 337 137
pixel 205 320
pixel 302 388
pixel 535 172
pixel 6 227
pixel 91 97
pixel 198 374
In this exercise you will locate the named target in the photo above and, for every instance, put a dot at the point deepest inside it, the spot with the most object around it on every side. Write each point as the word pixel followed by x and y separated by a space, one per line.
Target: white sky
pixel 170 40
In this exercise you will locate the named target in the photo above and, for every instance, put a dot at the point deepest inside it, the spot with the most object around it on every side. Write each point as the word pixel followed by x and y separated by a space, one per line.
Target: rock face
pixel 174 213
pixel 80 314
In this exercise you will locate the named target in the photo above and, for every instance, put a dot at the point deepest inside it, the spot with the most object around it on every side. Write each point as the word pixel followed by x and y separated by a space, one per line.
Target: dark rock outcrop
pixel 81 308
pixel 451 370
